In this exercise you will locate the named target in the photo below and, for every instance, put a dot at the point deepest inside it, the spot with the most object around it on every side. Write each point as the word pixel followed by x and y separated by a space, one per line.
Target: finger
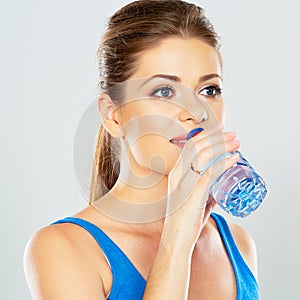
pixel 214 171
pixel 195 188
pixel 196 144
pixel 200 190
pixel 186 178
pixel 191 152
pixel 201 156
pixel 210 138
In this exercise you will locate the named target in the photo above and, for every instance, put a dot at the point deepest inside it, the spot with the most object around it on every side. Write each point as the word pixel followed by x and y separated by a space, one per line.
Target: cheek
pixel 141 121
pixel 156 153
pixel 218 111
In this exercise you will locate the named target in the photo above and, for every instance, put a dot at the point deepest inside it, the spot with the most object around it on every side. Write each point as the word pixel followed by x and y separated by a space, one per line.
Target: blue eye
pixel 163 92
pixel 212 91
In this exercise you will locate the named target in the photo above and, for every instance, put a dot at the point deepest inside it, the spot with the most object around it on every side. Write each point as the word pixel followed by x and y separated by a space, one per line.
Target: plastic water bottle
pixel 239 190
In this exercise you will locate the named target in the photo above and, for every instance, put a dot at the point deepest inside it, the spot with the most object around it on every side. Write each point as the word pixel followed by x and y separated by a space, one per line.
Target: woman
pixel 148 232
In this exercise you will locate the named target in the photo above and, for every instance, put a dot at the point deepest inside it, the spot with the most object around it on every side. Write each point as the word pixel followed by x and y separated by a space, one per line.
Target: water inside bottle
pixel 239 190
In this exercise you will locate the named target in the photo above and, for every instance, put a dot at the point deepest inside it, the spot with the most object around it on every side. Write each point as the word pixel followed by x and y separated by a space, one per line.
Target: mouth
pixel 182 139
pixel 179 140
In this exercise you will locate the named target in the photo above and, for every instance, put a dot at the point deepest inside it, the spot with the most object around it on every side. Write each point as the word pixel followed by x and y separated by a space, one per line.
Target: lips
pixel 179 138
pixel 179 141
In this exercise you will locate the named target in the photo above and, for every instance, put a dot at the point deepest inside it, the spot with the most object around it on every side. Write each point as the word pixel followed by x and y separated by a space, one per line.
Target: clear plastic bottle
pixel 239 190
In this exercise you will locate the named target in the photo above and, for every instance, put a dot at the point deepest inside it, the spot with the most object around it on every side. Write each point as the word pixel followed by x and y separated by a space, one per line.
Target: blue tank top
pixel 128 283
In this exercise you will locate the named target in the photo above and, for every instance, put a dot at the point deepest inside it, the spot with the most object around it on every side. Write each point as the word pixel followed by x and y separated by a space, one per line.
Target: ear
pixel 110 115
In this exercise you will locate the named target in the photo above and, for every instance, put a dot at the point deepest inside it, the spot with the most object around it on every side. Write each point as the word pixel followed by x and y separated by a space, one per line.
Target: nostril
pixel 204 117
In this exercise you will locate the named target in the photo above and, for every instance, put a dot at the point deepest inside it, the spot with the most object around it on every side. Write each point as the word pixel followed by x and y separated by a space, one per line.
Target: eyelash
pixel 218 91
pixel 156 90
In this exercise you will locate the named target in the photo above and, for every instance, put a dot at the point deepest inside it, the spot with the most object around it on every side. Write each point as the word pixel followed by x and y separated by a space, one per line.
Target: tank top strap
pixel 128 283
pixel 247 286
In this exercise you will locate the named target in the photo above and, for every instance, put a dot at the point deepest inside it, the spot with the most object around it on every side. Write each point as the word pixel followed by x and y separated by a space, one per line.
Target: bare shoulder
pixel 56 269
pixel 246 246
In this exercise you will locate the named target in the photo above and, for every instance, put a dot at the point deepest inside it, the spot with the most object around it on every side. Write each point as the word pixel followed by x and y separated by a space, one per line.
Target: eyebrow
pixel 177 79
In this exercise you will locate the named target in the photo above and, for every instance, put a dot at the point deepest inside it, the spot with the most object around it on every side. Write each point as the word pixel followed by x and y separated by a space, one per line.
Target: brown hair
pixel 133 29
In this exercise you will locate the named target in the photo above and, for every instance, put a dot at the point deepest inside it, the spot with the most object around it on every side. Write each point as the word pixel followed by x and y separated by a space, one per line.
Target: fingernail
pixel 194 132
pixel 236 142
pixel 230 133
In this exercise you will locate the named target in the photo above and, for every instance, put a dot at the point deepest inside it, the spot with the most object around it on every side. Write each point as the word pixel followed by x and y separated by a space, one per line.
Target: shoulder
pixel 246 246
pixel 54 265
pixel 56 238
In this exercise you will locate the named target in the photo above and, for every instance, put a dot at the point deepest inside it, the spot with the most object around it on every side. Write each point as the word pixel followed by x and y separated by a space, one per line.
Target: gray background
pixel 49 76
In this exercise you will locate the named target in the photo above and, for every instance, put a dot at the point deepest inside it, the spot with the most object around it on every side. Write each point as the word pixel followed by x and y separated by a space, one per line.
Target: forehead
pixel 185 58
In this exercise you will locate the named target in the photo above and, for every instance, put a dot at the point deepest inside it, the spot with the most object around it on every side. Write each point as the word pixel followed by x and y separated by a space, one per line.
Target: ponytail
pixel 106 166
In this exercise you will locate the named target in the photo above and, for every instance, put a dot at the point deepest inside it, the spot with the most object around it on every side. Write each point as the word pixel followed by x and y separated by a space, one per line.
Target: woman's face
pixel 176 88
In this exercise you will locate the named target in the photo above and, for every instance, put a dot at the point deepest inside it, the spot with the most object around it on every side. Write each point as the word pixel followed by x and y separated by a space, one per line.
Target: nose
pixel 193 109
pixel 197 117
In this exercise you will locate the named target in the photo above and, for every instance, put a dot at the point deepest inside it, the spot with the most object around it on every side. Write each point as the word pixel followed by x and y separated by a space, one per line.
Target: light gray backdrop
pixel 49 76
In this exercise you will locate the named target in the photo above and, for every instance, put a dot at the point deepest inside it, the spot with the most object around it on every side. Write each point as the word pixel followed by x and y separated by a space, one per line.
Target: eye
pixel 212 91
pixel 163 92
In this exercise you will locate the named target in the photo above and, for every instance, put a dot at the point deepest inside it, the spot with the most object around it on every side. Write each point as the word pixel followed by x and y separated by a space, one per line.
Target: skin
pixel 177 261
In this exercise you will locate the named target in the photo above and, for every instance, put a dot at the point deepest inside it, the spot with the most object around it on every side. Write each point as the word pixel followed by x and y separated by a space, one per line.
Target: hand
pixel 189 204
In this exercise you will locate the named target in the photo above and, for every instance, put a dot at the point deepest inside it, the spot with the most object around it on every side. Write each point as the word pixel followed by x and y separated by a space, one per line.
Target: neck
pixel 138 184
pixel 138 196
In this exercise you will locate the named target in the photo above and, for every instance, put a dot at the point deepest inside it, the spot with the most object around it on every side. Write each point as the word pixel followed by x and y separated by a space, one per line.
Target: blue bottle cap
pixel 194 132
